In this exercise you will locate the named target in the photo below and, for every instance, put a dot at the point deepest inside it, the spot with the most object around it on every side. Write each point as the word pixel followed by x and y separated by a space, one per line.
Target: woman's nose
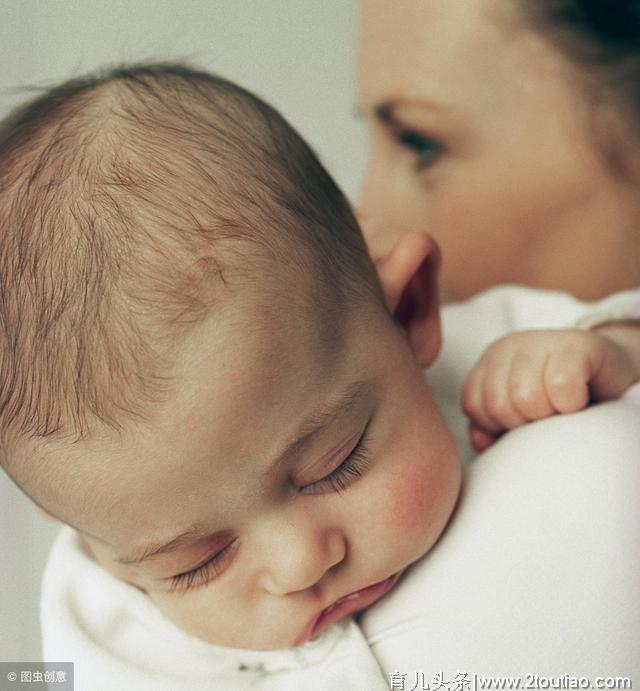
pixel 384 210
pixel 368 213
pixel 379 231
pixel 377 191
pixel 379 236
pixel 298 556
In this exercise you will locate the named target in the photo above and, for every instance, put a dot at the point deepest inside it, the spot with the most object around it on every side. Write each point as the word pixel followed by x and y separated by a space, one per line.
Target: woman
pixel 508 130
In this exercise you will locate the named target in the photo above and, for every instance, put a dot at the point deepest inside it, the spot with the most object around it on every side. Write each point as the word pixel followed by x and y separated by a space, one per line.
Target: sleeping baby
pixel 206 379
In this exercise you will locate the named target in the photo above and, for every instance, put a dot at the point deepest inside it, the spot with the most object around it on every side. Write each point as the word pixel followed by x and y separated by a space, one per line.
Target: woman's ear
pixel 409 278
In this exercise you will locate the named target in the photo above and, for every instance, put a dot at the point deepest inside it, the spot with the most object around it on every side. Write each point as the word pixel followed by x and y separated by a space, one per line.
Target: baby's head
pixel 200 369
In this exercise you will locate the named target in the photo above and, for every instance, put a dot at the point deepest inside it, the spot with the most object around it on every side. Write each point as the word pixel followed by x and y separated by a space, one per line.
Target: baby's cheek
pixel 411 500
pixel 420 502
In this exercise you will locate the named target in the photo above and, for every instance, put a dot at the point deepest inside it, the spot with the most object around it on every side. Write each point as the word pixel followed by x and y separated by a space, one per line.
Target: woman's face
pixel 479 138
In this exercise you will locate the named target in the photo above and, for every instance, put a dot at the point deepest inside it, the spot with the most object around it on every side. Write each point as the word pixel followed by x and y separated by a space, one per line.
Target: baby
pixel 204 376
pixel 202 373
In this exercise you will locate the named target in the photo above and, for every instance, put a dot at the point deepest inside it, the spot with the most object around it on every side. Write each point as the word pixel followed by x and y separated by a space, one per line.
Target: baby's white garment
pixel 120 642
pixel 469 327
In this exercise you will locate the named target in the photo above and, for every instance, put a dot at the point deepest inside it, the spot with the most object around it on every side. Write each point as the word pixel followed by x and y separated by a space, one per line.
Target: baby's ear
pixel 409 278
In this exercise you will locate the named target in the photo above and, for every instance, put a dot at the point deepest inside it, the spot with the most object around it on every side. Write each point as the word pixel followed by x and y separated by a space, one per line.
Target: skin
pixel 481 136
pixel 290 544
pixel 530 375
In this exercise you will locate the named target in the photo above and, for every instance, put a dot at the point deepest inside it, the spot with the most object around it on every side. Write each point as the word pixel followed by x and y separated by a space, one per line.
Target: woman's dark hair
pixel 602 39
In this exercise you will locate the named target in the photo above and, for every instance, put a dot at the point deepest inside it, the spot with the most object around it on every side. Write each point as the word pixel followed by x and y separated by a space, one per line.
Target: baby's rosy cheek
pixel 411 500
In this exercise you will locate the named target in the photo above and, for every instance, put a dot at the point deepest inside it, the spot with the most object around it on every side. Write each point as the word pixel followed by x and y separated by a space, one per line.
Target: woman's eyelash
pixel 204 573
pixel 351 468
pixel 426 149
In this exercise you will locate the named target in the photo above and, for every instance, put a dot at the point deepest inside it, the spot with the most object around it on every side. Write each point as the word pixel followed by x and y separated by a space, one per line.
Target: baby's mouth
pixel 348 604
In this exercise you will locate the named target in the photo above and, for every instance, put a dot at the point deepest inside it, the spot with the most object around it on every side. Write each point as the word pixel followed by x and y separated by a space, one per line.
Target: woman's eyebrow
pixel 390 112
pixel 383 112
pixel 338 405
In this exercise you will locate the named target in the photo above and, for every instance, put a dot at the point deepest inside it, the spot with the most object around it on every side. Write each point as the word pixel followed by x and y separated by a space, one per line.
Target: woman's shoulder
pixel 539 568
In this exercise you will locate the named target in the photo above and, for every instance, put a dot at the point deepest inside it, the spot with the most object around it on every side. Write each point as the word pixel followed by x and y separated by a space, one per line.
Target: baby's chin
pixel 234 639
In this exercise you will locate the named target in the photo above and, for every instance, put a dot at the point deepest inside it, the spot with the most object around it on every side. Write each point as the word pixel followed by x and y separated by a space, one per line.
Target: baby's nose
pixel 299 557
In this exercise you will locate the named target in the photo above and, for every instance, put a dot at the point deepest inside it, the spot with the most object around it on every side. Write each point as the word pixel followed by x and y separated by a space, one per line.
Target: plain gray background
pixel 297 54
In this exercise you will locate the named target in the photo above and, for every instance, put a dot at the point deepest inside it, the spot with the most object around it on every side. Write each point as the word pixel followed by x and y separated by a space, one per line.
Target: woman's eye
pixel 425 149
pixel 349 470
pixel 206 572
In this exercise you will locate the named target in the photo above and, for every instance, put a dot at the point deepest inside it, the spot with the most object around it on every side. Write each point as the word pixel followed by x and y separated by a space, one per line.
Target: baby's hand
pixel 529 375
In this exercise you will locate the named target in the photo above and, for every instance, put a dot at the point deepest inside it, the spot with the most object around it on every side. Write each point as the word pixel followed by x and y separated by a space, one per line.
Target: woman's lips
pixel 348 604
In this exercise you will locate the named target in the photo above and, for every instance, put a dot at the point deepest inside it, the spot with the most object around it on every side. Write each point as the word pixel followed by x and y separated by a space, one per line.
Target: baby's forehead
pixel 261 308
pixel 230 374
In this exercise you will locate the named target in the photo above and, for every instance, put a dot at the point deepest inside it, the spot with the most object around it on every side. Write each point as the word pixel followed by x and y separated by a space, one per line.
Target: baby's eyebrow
pixel 346 399
pixel 157 548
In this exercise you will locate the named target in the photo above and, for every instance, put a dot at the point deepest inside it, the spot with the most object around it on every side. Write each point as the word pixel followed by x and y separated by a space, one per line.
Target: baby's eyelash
pixel 351 468
pixel 204 573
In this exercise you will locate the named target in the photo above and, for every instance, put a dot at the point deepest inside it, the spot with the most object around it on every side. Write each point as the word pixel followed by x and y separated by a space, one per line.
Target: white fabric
pixel 617 308
pixel 539 571
pixel 518 580
pixel 120 642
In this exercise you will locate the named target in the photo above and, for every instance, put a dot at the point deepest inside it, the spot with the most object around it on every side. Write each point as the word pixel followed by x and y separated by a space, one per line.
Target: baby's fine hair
pixel 124 198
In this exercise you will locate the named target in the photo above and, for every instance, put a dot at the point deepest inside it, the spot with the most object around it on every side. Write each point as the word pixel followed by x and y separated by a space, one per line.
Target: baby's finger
pixel 566 379
pixel 481 440
pixel 496 396
pixel 612 369
pixel 472 400
pixel 528 390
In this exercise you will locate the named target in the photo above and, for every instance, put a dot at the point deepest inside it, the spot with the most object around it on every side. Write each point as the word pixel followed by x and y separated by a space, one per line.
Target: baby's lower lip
pixel 353 602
